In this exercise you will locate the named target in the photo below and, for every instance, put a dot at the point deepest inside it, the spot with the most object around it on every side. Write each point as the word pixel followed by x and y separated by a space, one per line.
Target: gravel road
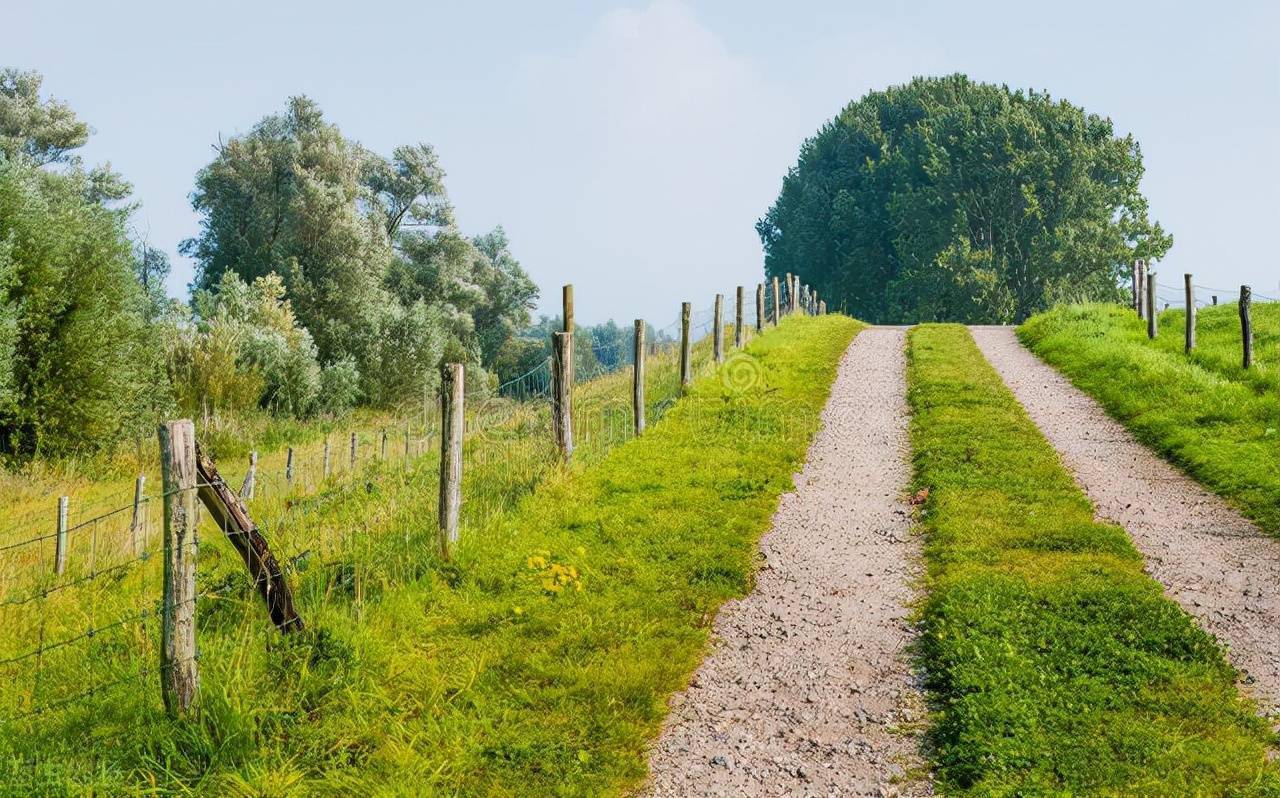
pixel 808 689
pixel 1218 565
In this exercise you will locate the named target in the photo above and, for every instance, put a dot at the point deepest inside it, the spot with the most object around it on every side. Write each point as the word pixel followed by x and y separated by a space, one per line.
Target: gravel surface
pixel 1215 563
pixel 808 689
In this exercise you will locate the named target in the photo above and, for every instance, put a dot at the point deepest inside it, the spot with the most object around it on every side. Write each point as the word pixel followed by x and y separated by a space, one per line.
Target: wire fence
pixel 82 589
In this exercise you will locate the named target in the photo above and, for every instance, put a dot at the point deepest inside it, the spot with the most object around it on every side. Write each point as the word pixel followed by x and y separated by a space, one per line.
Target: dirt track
pixel 1215 563
pixel 809 680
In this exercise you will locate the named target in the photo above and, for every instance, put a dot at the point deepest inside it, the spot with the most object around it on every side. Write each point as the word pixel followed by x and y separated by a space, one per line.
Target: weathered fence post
pixel 60 540
pixel 717 337
pixel 1142 289
pixel 1246 325
pixel 759 307
pixel 382 455
pixel 137 524
pixel 407 441
pixel 686 347
pixel 326 457
pixel 822 308
pixel 179 678
pixel 637 379
pixel 1137 287
pixel 1191 312
pixel 777 302
pixel 288 467
pixel 452 395
pixel 1151 305
pixel 354 444
pixel 561 392
pixel 737 321
pixel 790 291
pixel 250 476
pixel 1215 299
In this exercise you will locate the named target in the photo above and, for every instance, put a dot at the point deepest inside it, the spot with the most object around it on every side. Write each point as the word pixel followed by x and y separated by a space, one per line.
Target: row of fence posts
pixel 189 478
pixel 1144 303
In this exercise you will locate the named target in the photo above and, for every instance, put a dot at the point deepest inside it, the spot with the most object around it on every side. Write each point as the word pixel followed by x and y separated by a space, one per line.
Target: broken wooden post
pixel 137 523
pixel 452 396
pixel 1191 313
pixel 637 379
pixel 561 392
pixel 250 476
pixel 1152 322
pixel 1246 325
pixel 60 540
pixel 179 474
pixel 229 514
pixel 686 347
pixel 717 337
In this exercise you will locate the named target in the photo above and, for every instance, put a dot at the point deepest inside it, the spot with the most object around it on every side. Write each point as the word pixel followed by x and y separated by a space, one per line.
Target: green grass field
pixel 536 662
pixel 1205 413
pixel 1054 665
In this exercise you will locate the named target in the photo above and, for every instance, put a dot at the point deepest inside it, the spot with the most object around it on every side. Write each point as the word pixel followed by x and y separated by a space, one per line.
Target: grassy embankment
pixel 1204 412
pixel 1054 664
pixel 537 661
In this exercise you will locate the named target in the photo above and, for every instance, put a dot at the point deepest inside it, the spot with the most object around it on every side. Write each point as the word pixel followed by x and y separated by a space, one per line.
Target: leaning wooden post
pixel 738 332
pixel 250 476
pixel 137 524
pixel 561 392
pixel 354 444
pixel 1246 325
pixel 179 678
pixel 60 541
pixel 452 393
pixel 717 337
pixel 637 379
pixel 1191 313
pixel 686 347
pixel 777 302
pixel 759 307
pixel 1152 322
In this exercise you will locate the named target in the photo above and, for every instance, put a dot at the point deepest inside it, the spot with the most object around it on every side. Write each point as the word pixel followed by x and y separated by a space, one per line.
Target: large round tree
pixel 946 199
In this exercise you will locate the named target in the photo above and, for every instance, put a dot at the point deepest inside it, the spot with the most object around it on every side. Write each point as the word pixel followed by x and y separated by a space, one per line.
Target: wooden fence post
pixel 383 452
pixel 1152 322
pixel 452 394
pixel 1246 325
pixel 326 457
pixel 686 347
pixel 407 441
pixel 637 379
pixel 759 307
pixel 137 524
pixel 288 467
pixel 354 444
pixel 562 392
pixel 790 288
pixel 179 678
pixel 250 476
pixel 777 302
pixel 1136 304
pixel 1191 313
pixel 1215 299
pixel 737 321
pixel 717 338
pixel 566 296
pixel 60 541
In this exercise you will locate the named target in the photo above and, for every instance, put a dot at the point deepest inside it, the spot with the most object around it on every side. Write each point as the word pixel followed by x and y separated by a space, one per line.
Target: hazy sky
pixel 629 148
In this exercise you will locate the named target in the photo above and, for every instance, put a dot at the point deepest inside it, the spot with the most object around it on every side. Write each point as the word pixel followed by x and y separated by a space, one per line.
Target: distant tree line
pixel 946 199
pixel 327 276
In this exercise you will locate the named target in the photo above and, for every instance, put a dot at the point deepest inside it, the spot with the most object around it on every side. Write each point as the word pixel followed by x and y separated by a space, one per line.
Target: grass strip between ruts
pixel 1053 663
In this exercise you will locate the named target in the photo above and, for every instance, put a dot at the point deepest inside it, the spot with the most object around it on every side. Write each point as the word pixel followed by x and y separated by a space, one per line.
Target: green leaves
pixel 945 199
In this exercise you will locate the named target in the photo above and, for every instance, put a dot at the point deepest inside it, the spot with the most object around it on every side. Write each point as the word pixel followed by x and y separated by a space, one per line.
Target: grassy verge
pixel 1054 665
pixel 536 662
pixel 1204 413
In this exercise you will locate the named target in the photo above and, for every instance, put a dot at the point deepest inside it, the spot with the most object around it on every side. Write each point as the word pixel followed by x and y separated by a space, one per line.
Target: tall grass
pixel 535 661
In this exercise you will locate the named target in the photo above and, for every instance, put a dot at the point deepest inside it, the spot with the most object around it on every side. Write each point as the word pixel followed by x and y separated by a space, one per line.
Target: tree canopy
pixel 946 199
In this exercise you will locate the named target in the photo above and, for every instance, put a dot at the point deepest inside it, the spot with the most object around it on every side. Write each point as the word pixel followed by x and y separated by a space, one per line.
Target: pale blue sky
pixel 629 148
